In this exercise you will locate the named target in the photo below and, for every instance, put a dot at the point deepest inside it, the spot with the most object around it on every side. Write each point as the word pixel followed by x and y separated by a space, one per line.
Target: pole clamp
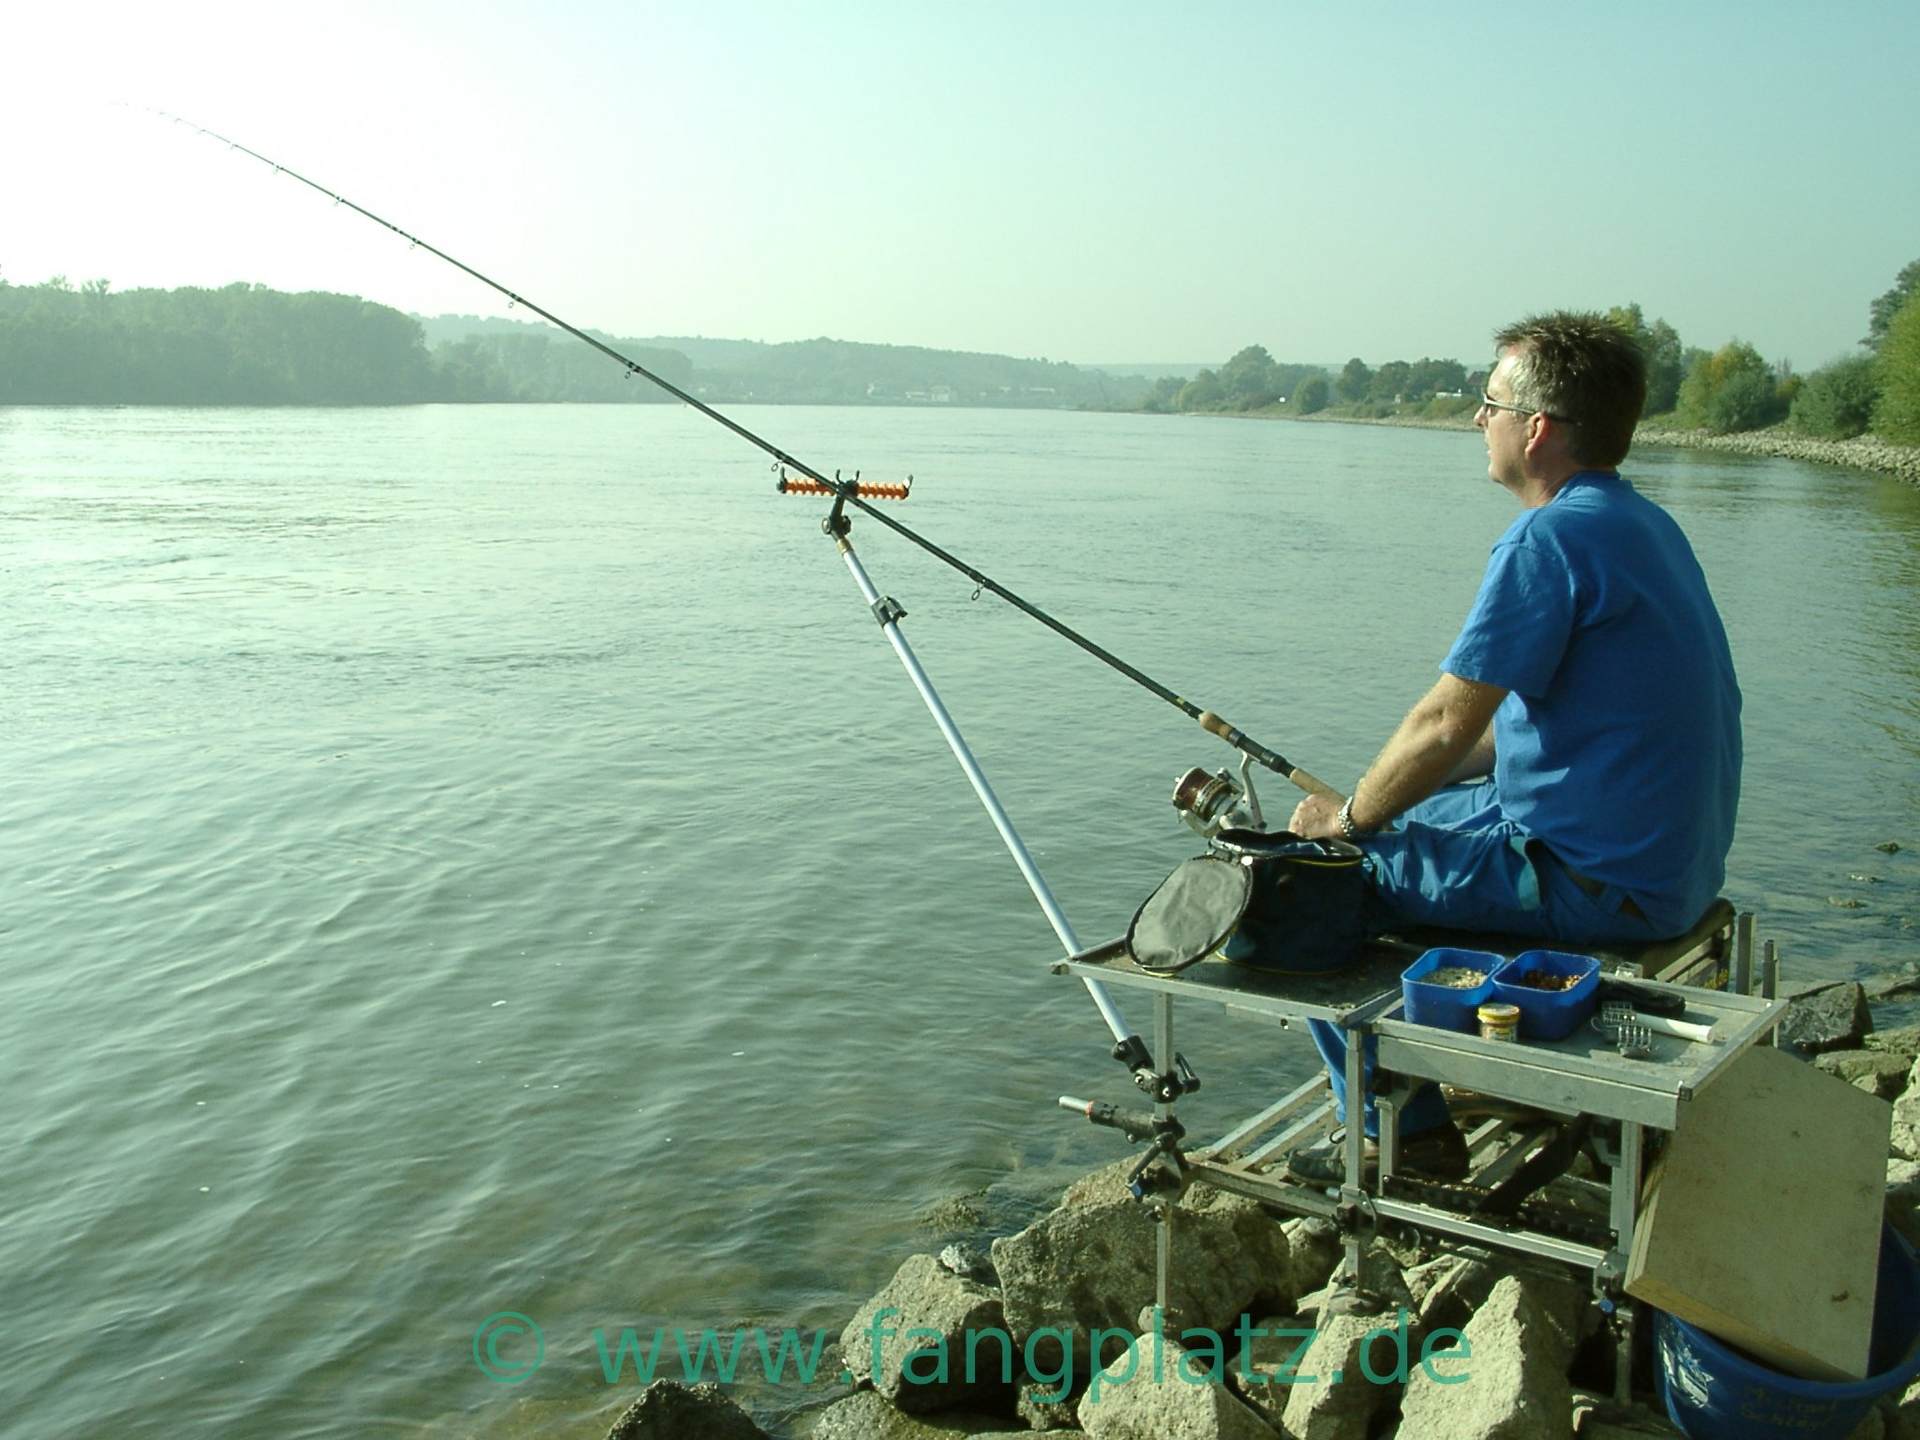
pixel 1163 1088
pixel 888 611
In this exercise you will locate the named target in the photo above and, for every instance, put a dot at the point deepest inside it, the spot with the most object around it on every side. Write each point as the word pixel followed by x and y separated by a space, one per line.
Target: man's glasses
pixel 1487 402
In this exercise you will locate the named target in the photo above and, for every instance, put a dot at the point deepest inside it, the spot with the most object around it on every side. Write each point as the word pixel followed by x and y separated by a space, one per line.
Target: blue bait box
pixel 1550 1014
pixel 1445 1006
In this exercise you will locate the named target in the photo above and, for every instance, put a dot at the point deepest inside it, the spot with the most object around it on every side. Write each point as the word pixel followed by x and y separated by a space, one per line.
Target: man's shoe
pixel 1438 1154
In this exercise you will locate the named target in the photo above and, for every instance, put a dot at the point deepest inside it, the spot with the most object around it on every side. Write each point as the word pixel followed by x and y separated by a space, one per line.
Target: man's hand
pixel 1448 734
pixel 1317 817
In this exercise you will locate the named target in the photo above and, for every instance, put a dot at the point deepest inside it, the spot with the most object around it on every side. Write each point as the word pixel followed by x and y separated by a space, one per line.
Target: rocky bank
pixel 1257 1345
pixel 1867 452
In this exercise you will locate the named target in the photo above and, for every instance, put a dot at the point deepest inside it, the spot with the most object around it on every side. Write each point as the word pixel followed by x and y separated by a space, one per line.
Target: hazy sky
pixel 1086 182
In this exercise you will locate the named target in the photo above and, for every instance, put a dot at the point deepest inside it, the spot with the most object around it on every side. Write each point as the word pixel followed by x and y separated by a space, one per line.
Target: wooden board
pixel 1763 1228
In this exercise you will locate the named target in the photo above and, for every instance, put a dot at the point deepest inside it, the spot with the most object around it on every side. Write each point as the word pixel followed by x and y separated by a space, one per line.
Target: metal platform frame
pixel 1555 1082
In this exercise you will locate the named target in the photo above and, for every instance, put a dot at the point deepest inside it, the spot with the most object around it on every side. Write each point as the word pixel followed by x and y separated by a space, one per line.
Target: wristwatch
pixel 1348 830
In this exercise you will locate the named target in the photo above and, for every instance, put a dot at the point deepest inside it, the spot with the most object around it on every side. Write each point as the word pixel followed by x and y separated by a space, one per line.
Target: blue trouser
pixel 1454 860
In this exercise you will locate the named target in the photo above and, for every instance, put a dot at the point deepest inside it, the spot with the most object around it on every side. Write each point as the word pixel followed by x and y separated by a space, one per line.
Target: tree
pixel 1836 403
pixel 1390 381
pixel 1746 400
pixel 1427 378
pixel 1203 392
pixel 1164 395
pixel 1660 344
pixel 1897 415
pixel 1249 378
pixel 1664 368
pixel 1880 314
pixel 1732 389
pixel 1310 395
pixel 1355 378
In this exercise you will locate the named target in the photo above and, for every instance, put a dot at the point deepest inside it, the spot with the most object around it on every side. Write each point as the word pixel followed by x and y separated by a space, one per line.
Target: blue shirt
pixel 1619 744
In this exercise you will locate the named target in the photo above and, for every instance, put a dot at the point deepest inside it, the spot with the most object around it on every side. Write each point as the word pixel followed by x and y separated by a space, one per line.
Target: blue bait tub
pixel 1442 1005
pixel 1550 1014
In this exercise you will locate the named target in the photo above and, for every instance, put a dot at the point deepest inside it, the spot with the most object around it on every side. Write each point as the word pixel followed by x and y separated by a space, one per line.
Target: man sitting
pixel 1593 683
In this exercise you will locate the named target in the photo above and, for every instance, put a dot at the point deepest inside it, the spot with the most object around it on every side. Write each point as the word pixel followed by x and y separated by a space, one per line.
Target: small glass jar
pixel 1499 1021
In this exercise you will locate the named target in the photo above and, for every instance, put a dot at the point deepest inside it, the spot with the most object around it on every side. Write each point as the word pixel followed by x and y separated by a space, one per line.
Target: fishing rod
pixel 1171 1076
pixel 855 493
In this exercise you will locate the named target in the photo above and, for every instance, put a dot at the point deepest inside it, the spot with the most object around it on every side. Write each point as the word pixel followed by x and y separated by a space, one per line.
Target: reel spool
pixel 1210 803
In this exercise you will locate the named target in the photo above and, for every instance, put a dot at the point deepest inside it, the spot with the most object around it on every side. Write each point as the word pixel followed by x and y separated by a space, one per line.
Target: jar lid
pixel 1498 1012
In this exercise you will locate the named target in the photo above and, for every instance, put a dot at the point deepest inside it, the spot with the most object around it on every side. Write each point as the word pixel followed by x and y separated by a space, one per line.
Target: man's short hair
pixel 1581 367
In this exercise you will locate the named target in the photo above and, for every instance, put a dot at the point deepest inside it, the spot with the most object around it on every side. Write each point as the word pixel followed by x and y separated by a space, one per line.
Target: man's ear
pixel 1543 432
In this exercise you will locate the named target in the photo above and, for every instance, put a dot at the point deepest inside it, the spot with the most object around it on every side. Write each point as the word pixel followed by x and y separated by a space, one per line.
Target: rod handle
pixel 1215 725
pixel 1313 784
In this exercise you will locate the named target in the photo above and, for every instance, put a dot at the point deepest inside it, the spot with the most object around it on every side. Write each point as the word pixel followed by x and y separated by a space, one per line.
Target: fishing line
pixel 854 492
pixel 1161 1072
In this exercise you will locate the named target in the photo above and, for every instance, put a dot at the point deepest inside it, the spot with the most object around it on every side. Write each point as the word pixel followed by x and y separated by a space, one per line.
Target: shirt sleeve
pixel 1518 629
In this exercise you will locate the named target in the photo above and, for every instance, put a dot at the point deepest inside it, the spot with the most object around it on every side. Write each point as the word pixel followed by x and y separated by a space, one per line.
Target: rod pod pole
pixel 888 612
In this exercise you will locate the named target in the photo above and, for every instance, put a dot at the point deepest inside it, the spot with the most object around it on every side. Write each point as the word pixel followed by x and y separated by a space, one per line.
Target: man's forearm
pixel 1478 761
pixel 1444 736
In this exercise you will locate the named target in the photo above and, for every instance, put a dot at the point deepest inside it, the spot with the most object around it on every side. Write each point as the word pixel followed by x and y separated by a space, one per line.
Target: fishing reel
pixel 1210 803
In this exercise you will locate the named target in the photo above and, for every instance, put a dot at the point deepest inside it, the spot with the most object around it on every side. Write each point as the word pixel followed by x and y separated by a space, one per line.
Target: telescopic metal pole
pixel 889 614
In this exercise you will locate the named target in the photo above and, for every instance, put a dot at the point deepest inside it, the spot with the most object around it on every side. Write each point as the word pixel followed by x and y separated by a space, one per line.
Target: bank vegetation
pixel 1694 395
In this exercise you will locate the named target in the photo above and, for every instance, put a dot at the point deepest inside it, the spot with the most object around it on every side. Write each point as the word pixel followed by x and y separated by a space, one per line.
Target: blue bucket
pixel 1714 1392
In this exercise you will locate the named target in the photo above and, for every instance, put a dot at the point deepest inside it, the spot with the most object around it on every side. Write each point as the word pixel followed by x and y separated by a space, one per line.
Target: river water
pixel 464 860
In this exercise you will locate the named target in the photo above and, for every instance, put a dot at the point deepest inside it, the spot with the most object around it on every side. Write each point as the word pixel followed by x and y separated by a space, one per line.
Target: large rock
pixel 1382 1288
pixel 865 1415
pixel 1091 1268
pixel 1105 1186
pixel 1156 1391
pixel 1905 1139
pixel 1903 1198
pixel 1449 1291
pixel 931 1340
pixel 1606 1420
pixel 1904 1040
pixel 1315 1251
pixel 1894 984
pixel 1264 1360
pixel 1878 1072
pixel 1826 1017
pixel 1511 1382
pixel 1039 1410
pixel 1349 1375
pixel 668 1410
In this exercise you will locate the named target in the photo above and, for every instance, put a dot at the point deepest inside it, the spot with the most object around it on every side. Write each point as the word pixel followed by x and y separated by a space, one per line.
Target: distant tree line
pixel 1735 388
pixel 1730 389
pixel 241 345
pixel 824 371
pixel 1254 380
pixel 530 367
pixel 1251 380
pixel 248 345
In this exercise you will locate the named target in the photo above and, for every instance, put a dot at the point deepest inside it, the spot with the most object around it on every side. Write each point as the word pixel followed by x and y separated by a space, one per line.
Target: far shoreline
pixel 1866 452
